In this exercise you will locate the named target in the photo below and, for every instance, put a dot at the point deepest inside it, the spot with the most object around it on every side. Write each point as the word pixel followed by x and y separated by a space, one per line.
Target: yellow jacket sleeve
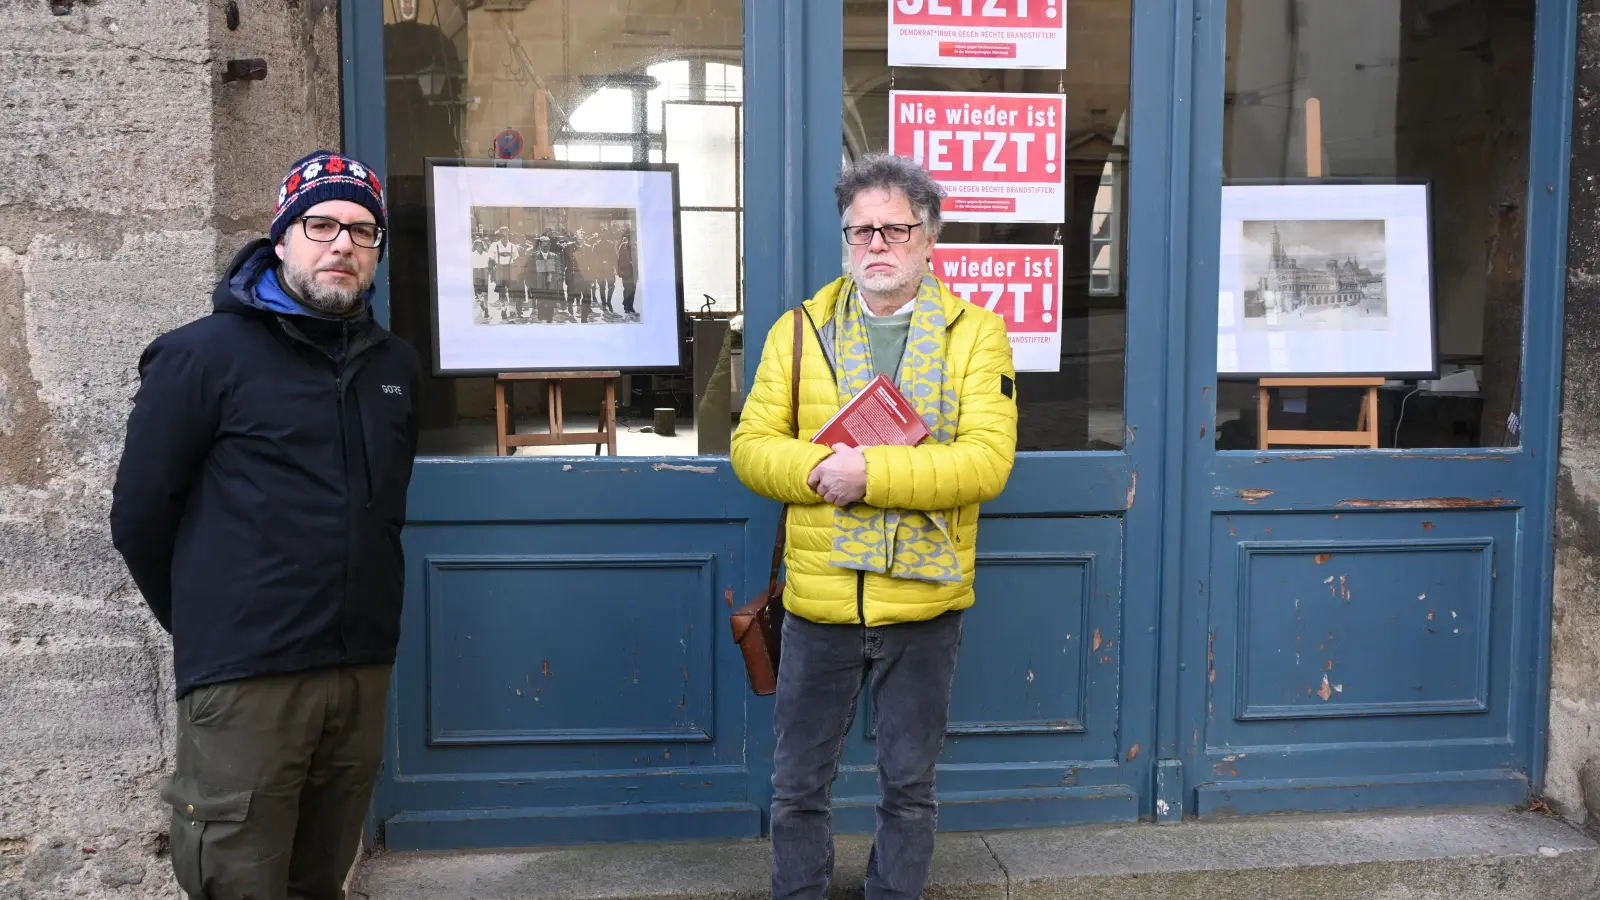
pixel 766 455
pixel 975 466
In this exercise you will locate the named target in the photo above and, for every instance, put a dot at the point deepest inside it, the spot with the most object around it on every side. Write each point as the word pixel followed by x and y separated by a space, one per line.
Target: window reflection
pixel 1079 406
pixel 1105 224
pixel 1398 91
pixel 580 83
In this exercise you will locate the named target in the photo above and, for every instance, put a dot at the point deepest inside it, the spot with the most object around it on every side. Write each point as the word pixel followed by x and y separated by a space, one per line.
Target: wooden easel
pixel 1366 430
pixel 541 148
pixel 507 439
pixel 1364 435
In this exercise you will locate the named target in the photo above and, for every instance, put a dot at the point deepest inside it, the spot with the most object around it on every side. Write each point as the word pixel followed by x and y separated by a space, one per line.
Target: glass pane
pixel 601 83
pixel 703 141
pixel 674 85
pixel 1070 373
pixel 724 82
pixel 710 261
pixel 1376 163
pixel 608 109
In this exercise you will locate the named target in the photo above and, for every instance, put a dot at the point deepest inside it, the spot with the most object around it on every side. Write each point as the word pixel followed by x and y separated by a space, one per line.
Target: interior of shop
pixel 1434 92
pixel 1427 91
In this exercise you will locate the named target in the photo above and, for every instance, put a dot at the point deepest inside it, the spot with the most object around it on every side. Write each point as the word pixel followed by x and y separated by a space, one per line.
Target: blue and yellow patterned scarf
pixel 900 543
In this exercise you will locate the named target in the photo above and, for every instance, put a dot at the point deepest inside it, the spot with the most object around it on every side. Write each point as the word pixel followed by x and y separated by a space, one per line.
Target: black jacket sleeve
pixel 170 431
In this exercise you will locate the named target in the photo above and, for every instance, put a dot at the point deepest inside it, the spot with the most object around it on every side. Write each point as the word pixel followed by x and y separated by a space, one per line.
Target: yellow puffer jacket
pixel 950 478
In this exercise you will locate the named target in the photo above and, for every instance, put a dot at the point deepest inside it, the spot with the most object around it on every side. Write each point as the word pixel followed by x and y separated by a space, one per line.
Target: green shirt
pixel 887 337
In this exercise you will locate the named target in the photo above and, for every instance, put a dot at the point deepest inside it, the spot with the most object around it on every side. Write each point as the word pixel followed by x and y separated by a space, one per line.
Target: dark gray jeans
pixel 823 670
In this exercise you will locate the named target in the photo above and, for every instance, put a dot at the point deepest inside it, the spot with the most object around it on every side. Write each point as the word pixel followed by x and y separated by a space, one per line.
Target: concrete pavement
pixel 1439 856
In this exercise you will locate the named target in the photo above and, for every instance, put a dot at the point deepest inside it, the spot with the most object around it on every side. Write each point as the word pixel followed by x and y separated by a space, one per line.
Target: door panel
pixel 569 678
pixel 1362 629
pixel 1362 655
pixel 1372 643
pixel 490 615
pixel 565 672
pixel 1053 708
pixel 1034 710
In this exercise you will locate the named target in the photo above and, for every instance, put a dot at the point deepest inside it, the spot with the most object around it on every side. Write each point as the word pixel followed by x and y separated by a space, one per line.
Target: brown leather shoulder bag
pixel 758 625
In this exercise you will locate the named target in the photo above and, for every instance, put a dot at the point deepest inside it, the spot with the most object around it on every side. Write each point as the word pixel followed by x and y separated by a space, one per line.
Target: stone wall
pixel 1573 781
pixel 133 173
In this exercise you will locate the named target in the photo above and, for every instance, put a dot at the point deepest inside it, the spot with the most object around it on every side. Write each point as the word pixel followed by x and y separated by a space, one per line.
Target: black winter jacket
pixel 262 487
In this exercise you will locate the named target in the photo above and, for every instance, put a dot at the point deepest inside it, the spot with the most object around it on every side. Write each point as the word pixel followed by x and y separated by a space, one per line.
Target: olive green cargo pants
pixel 272 782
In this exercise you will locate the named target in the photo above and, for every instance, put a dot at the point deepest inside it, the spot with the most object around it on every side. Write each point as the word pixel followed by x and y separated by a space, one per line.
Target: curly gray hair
pixel 888 172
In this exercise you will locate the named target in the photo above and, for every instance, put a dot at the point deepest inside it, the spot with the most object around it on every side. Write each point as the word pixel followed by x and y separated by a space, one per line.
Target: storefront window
pixel 521 81
pixel 1069 330
pixel 1375 166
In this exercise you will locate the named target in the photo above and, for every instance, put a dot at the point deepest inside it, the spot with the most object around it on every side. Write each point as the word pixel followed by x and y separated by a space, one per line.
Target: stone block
pixel 107 110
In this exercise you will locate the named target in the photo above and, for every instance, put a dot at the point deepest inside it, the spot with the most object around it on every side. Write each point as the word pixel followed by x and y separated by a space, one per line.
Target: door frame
pixel 1162 482
pixel 794 79
pixel 509 491
pixel 794 55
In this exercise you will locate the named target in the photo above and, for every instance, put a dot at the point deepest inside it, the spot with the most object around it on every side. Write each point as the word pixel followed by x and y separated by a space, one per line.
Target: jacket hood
pixel 236 292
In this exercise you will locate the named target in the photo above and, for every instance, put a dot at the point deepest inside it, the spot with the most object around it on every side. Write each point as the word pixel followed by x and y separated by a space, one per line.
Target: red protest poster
pixel 978 34
pixel 1021 282
pixel 998 156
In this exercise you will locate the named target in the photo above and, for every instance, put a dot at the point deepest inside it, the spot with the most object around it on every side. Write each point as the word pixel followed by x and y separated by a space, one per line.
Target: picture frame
pixel 554 266
pixel 1326 278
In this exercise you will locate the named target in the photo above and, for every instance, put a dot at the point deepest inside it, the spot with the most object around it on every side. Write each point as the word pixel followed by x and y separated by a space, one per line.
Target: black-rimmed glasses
pixel 324 230
pixel 893 234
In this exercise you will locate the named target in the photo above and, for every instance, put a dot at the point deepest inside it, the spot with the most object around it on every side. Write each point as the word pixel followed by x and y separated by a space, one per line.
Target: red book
pixel 878 416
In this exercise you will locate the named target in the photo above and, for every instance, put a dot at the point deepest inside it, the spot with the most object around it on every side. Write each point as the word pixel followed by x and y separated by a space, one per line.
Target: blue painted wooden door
pixel 1360 629
pixel 566 672
pixel 1053 711
pixel 1052 708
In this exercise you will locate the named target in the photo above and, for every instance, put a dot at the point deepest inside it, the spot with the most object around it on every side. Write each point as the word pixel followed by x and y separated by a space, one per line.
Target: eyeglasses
pixel 324 230
pixel 893 234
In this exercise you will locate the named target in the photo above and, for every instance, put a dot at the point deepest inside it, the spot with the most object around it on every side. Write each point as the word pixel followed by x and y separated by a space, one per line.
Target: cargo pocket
pixel 198 814
pixel 201 703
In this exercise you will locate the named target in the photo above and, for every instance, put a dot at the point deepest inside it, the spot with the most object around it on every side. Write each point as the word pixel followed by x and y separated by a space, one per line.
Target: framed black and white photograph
pixel 555 266
pixel 1326 279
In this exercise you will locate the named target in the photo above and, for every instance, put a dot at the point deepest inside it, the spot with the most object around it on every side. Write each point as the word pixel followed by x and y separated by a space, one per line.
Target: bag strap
pixel 794 407
pixel 794 377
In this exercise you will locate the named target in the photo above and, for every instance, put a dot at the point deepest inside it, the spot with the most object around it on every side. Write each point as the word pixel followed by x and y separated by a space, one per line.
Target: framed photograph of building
pixel 1326 279
pixel 554 266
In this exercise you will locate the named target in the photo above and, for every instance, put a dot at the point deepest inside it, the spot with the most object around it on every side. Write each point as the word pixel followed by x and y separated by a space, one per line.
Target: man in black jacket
pixel 258 506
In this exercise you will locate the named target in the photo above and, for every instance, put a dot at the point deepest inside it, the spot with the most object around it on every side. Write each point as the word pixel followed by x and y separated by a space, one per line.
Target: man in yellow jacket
pixel 881 541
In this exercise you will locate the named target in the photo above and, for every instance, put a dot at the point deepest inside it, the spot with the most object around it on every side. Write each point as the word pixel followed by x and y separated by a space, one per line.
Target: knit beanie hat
pixel 322 176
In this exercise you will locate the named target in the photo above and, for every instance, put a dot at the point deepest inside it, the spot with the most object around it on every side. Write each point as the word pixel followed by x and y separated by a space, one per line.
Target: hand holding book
pixel 878 416
pixel 841 479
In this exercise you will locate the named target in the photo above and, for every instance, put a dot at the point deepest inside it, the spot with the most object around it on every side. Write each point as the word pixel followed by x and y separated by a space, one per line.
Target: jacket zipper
pixel 344 460
pixel 861 576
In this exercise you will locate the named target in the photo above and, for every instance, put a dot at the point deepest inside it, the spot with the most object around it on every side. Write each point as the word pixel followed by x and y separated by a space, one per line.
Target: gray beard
pixel 887 284
pixel 332 301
